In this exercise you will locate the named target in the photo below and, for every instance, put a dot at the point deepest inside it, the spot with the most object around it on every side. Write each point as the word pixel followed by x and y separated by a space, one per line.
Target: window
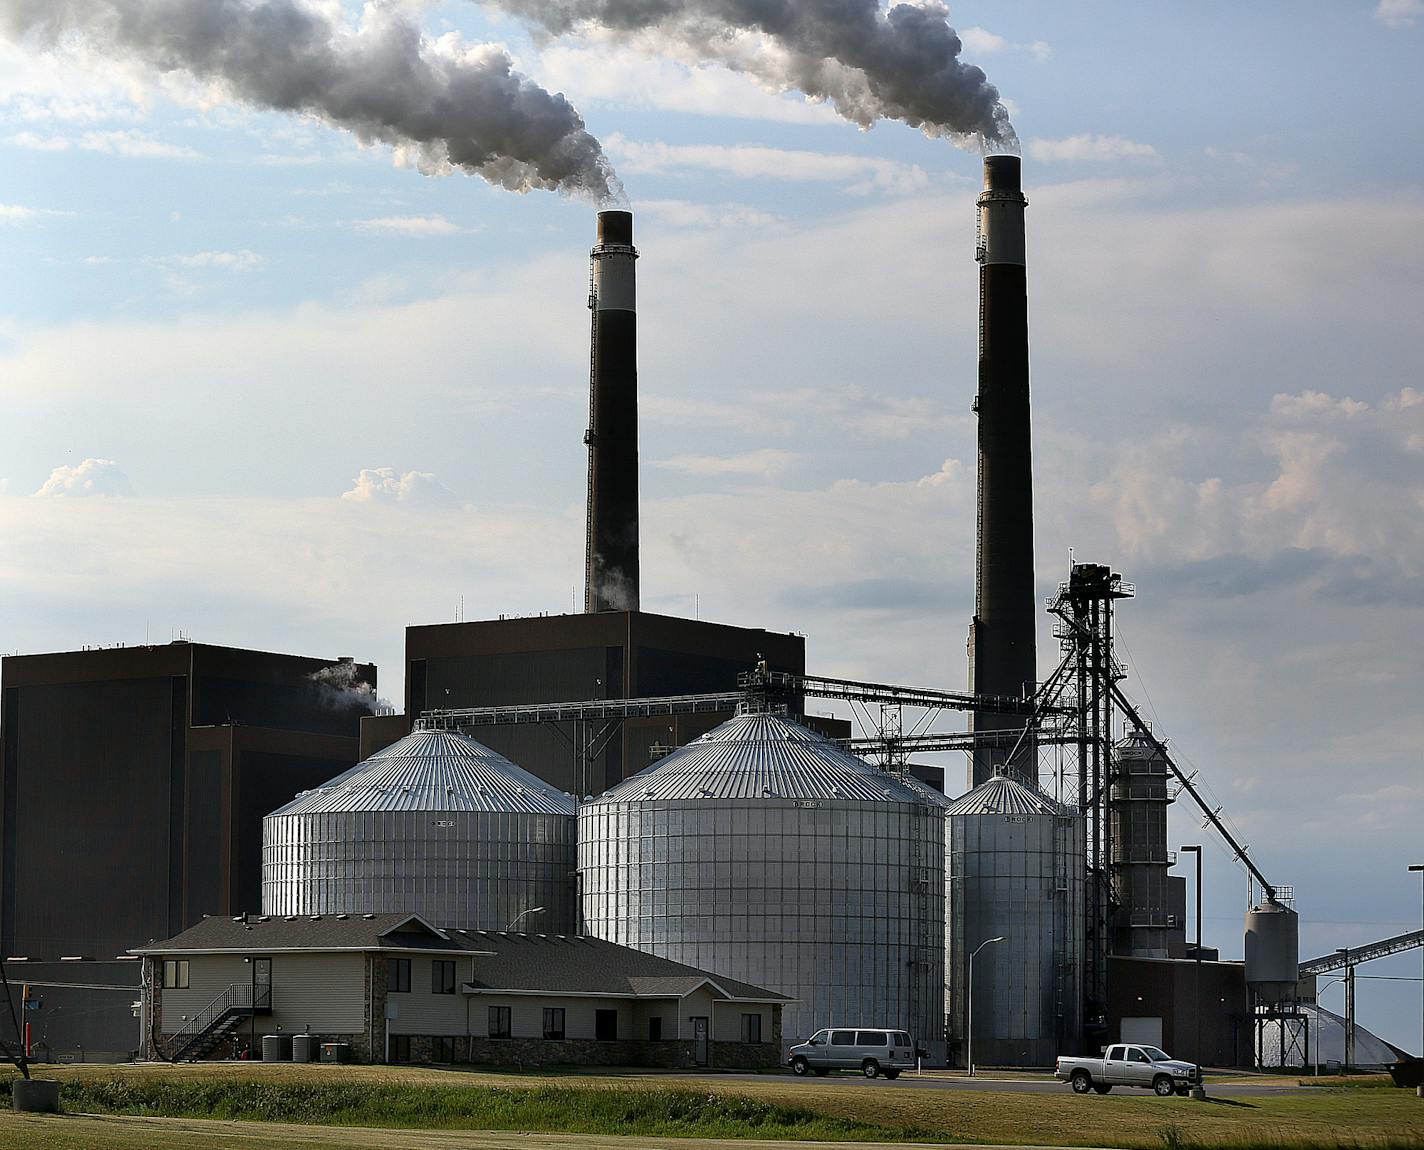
pixel 1135 1055
pixel 843 1038
pixel 751 1028
pixel 442 976
pixel 175 974
pixel 499 1022
pixel 400 1047
pixel 398 976
pixel 655 1028
pixel 553 1022
pixel 871 1038
pixel 443 1049
pixel 605 1025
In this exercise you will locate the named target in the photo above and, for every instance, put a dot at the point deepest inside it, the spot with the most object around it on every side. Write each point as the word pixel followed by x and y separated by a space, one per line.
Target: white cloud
pixel 1399 13
pixel 767 463
pixel 386 485
pixel 238 261
pixel 627 77
pixel 91 477
pixel 19 214
pixel 683 214
pixel 414 226
pixel 860 174
pixel 114 142
pixel 1089 148
pixel 982 42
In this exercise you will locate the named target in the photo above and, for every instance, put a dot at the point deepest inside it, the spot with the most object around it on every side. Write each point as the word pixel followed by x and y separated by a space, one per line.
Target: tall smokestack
pixel 1001 637
pixel 612 436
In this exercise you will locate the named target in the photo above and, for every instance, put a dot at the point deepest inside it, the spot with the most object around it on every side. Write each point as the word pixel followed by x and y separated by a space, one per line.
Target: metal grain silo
pixel 435 824
pixel 1015 869
pixel 765 852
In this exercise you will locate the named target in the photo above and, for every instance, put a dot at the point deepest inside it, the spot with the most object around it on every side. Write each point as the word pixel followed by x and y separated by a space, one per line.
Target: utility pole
pixel 1420 871
pixel 1197 1048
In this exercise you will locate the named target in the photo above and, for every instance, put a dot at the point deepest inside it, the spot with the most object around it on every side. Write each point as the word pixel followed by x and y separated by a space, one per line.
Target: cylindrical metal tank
pixel 1272 952
pixel 1015 870
pixel 436 824
pixel 766 853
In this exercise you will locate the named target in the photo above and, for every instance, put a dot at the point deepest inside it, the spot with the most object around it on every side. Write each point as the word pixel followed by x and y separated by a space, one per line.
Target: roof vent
pixel 315 918
pixel 343 917
pixel 368 916
pixel 264 918
pixel 288 918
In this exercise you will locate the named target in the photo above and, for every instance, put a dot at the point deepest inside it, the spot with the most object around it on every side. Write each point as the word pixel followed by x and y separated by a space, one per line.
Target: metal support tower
pixel 1084 607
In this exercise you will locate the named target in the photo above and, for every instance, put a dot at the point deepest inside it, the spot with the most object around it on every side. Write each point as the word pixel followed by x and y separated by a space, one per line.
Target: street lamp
pixel 969 1024
pixel 1420 871
pixel 515 921
pixel 1196 850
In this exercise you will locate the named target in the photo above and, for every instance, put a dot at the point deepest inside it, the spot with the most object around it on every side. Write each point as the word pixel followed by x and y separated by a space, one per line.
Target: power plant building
pixel 764 850
pixel 135 780
pixel 436 825
pixel 1015 873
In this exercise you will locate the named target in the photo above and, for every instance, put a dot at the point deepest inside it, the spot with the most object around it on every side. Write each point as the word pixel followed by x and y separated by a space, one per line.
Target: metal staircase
pixel 216 1022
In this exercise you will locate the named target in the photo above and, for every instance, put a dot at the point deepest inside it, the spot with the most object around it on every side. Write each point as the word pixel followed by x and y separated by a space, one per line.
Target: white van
pixel 872 1052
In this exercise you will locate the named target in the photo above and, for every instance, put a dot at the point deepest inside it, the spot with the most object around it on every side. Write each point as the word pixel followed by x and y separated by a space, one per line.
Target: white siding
pixel 323 993
pixel 423 1012
pixel 698 1004
pixel 526 1015
pixel 727 1020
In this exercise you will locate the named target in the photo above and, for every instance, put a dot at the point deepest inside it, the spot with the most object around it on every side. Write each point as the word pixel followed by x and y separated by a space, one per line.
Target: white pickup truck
pixel 1127 1064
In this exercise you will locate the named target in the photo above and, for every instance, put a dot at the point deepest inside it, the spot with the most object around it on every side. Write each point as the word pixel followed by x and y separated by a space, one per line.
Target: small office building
pixel 394 988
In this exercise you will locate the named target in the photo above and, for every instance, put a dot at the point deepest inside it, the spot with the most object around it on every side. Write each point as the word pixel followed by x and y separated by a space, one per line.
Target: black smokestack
pixel 612 435
pixel 1002 658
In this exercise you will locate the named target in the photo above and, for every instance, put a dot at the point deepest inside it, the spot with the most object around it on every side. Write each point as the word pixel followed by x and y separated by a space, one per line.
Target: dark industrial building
pixel 1158 1001
pixel 559 658
pixel 134 784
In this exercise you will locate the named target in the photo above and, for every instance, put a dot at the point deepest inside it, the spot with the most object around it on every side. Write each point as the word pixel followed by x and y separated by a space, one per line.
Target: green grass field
pixel 294 1105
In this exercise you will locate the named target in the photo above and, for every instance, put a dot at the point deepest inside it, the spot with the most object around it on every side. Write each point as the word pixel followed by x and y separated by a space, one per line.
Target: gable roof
pixel 577 964
pixel 323 932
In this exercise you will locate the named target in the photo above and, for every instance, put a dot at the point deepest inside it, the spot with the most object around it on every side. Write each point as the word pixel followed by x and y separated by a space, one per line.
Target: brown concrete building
pixel 134 784
pixel 1155 1001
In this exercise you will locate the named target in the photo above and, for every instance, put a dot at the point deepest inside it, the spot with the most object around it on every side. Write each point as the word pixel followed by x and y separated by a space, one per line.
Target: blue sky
pixel 223 322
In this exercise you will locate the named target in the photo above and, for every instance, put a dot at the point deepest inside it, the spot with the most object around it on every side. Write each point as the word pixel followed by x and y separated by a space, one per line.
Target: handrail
pixel 237 996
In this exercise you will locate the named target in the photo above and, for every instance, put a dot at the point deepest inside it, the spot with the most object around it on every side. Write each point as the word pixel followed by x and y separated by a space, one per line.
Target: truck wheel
pixel 871 1069
pixel 1081 1081
pixel 1162 1086
pixel 892 1075
pixel 1101 1088
pixel 799 1067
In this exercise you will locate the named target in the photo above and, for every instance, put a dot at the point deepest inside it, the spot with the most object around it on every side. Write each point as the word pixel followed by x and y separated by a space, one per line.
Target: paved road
pixel 1002 1085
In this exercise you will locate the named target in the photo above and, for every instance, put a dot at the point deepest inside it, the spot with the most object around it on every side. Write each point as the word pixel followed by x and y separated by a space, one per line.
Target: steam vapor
pixel 871 64
pixel 448 104
pixel 341 686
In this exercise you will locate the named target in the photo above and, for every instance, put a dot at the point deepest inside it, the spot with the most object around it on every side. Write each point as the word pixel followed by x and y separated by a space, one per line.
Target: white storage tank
pixel 1015 869
pixel 766 852
pixel 436 824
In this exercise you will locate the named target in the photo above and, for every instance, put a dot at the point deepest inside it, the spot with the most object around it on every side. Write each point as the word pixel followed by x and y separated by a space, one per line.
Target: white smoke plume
pixel 342 686
pixel 871 63
pixel 445 103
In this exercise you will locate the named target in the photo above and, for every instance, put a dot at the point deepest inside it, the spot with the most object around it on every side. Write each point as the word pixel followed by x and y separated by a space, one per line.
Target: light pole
pixel 1420 871
pixel 515 921
pixel 969 1002
pixel 1349 981
pixel 1197 1047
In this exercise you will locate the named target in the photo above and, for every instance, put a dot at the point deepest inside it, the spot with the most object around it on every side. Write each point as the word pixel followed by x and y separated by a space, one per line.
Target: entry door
pixel 261 984
pixel 701 1047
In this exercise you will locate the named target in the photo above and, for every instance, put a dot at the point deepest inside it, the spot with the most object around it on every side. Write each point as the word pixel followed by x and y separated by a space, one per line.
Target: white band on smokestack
pixel 1001 213
pixel 615 286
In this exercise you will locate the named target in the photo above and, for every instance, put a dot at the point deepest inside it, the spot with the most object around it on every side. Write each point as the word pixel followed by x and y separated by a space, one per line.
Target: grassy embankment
pixel 769 1109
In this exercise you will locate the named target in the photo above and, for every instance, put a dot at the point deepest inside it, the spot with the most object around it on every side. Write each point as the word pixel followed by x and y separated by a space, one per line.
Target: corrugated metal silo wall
pixel 838 904
pixel 477 870
pixel 1020 876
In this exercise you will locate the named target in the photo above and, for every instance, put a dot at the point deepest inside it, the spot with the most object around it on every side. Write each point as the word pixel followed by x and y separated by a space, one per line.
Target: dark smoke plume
pixel 380 82
pixel 871 64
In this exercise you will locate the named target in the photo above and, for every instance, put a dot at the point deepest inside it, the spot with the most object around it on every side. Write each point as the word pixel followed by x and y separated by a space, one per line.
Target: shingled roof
pixel 577 964
pixel 318 932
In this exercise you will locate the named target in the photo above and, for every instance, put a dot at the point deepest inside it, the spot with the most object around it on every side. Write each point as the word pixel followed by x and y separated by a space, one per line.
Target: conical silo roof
pixel 762 756
pixel 434 771
pixel 1002 795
